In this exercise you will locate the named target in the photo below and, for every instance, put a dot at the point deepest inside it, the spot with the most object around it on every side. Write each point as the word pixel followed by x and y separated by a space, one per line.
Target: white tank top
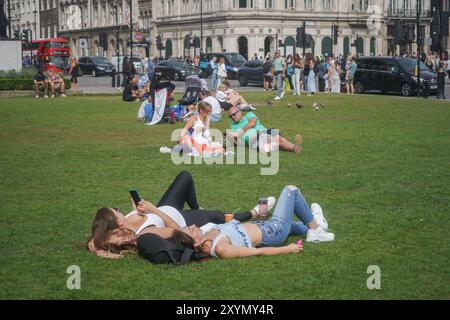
pixel 154 220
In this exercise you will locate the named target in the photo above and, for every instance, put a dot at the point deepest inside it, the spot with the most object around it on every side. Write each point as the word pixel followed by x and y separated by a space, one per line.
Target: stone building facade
pixel 261 26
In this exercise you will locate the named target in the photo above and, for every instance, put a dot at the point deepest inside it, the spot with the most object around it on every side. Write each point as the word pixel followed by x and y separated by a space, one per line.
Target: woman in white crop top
pixel 111 228
pixel 233 239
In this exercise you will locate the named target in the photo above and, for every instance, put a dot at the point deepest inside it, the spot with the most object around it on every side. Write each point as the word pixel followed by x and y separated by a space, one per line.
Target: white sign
pixel 83 43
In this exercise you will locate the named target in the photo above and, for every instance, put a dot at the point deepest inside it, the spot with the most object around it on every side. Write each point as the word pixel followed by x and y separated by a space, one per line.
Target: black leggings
pixel 181 191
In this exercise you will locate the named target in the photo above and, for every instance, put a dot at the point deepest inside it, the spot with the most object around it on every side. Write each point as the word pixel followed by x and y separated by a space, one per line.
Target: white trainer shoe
pixel 319 235
pixel 317 212
pixel 277 98
pixel 270 204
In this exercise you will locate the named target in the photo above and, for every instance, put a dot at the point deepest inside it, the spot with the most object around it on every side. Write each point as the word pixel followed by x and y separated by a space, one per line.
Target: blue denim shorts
pixel 274 232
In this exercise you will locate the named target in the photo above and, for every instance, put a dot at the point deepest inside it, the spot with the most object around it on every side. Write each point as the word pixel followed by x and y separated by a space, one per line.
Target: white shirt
pixel 214 103
pixel 221 96
pixel 155 220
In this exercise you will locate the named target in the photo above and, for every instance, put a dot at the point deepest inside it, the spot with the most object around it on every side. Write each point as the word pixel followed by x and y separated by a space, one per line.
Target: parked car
pixel 96 66
pixel 233 61
pixel 392 74
pixel 118 60
pixel 251 72
pixel 176 70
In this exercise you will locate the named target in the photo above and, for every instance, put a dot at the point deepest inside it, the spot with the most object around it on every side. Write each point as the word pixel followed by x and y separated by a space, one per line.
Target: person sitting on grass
pixel 236 240
pixel 131 91
pixel 216 111
pixel 229 97
pixel 196 135
pixel 114 234
pixel 248 129
pixel 56 83
pixel 40 82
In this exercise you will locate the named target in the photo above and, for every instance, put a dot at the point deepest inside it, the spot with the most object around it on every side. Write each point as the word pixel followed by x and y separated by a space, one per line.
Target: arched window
pixel 208 45
pixel 346 46
pixel 169 51
pixel 373 46
pixel 360 46
pixel 219 44
pixel 289 46
pixel 327 46
pixel 243 46
pixel 269 45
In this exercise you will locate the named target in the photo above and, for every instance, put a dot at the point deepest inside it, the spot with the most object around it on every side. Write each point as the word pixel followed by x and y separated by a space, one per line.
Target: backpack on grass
pixel 159 250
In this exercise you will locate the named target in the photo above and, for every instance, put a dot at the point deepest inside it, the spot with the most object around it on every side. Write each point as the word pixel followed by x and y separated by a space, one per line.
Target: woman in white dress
pixel 221 72
pixel 196 135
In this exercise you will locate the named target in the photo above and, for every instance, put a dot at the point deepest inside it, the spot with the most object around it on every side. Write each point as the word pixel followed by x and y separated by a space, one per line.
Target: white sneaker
pixel 270 204
pixel 46 96
pixel 277 98
pixel 319 235
pixel 318 216
pixel 63 95
pixel 52 96
pixel 251 107
pixel 36 96
pixel 282 95
pixel 165 150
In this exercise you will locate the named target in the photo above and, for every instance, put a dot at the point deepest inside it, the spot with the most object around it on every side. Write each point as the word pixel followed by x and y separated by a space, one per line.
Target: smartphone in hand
pixel 135 196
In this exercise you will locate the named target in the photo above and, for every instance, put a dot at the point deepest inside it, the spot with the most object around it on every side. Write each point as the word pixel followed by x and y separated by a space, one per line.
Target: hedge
pixel 11 84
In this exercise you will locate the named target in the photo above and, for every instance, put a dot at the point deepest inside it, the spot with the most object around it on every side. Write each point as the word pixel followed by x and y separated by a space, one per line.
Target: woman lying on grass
pixel 231 240
pixel 114 234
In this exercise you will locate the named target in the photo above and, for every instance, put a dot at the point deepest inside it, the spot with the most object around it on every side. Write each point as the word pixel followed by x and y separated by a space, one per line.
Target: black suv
pixel 175 69
pixel 233 61
pixel 392 74
pixel 96 66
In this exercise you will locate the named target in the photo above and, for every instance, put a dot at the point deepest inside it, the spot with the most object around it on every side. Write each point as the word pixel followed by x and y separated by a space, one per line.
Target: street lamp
pixel 35 22
pixel 419 47
pixel 117 43
pixel 201 27
pixel 131 29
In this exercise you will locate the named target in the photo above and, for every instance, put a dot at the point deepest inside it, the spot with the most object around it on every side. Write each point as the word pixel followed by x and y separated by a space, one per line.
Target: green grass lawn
pixel 379 166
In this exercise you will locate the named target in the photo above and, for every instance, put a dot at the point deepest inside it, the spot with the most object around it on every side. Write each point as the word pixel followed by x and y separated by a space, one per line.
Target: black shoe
pixel 299 106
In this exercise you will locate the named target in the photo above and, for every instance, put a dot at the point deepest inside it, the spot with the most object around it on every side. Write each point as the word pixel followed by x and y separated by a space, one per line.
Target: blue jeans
pixel 214 81
pixel 215 117
pixel 281 225
pixel 280 83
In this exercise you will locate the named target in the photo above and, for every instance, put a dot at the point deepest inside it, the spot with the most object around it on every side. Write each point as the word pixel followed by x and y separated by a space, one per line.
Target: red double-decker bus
pixel 51 54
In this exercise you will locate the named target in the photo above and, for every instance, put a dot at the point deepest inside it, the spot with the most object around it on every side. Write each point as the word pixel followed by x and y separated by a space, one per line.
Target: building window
pixel 309 5
pixel 327 5
pixel 289 4
pixel 269 4
pixel 243 3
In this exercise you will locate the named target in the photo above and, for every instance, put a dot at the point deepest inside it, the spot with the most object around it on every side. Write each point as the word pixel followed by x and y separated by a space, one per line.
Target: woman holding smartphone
pixel 114 233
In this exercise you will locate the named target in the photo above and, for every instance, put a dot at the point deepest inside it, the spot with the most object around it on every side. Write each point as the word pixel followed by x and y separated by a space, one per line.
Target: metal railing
pixel 402 13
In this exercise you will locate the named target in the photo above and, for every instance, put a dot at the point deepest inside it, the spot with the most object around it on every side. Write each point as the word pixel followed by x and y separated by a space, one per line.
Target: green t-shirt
pixel 279 64
pixel 236 126
pixel 352 70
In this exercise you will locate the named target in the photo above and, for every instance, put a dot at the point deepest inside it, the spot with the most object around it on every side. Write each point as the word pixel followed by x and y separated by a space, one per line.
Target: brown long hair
pixel 179 237
pixel 105 222
pixel 108 236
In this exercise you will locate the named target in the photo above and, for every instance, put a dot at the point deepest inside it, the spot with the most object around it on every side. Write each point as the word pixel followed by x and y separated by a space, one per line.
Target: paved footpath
pixel 89 84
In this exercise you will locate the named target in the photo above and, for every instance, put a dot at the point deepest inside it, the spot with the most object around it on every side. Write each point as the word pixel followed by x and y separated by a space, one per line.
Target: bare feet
pixel 298 143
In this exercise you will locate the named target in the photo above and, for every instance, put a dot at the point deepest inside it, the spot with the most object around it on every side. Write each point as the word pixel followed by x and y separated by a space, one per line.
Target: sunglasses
pixel 233 114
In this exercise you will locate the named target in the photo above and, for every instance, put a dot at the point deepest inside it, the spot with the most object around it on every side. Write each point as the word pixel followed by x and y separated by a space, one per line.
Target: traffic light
pixel 16 34
pixel 335 34
pixel 24 36
pixel 300 38
pixel 159 45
